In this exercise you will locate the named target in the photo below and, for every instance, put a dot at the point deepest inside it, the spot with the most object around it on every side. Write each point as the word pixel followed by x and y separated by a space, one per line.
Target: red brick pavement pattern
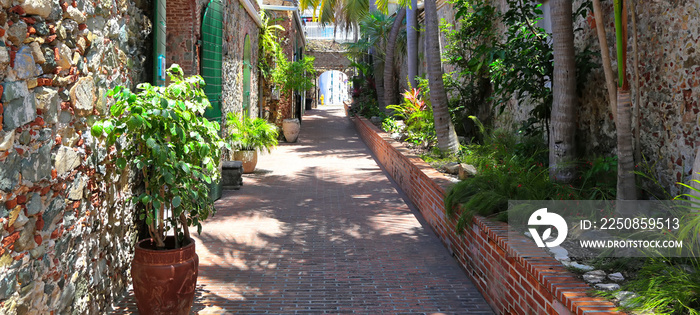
pixel 515 276
pixel 320 229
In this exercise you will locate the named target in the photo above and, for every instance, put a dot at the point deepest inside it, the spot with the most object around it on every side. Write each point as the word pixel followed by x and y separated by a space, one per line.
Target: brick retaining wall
pixel 513 279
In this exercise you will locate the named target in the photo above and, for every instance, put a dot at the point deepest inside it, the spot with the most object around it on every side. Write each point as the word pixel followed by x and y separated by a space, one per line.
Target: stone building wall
pixel 278 110
pixel 669 66
pixel 65 229
pixel 669 33
pixel 237 25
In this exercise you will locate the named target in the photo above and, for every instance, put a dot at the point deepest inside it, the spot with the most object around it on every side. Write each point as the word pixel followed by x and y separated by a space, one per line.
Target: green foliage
pixel 471 48
pixel 672 285
pixel 365 104
pixel 161 133
pixel 417 114
pixel 668 286
pixel 374 32
pixel 344 13
pixel 514 167
pixel 363 67
pixel 525 65
pixel 246 133
pixel 390 125
pixel 494 68
pixel 269 44
pixel 294 76
pixel 375 27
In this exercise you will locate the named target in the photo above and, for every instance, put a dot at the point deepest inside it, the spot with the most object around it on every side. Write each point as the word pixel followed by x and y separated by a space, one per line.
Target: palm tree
pixel 412 43
pixel 444 129
pixel 389 85
pixel 375 28
pixel 313 4
pixel 344 14
pixel 605 56
pixel 626 187
pixel 563 127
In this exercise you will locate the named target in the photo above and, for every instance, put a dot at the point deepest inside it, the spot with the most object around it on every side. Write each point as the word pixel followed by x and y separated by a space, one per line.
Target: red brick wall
pixel 182 22
pixel 511 280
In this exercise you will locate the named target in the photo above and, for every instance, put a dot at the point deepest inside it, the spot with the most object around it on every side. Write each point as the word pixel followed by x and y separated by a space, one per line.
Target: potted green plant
pixel 293 76
pixel 247 136
pixel 160 134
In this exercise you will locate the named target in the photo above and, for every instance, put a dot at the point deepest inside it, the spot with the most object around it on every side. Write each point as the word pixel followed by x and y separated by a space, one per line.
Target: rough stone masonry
pixel 63 216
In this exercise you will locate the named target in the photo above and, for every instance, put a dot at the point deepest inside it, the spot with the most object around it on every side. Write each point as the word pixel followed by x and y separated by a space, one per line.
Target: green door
pixel 159 43
pixel 247 67
pixel 212 39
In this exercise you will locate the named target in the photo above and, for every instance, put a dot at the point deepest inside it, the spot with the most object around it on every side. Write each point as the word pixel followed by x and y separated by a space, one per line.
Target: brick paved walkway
pixel 320 229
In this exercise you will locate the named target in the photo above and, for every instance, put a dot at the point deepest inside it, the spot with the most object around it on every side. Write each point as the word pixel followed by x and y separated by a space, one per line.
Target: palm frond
pixel 353 11
pixel 382 6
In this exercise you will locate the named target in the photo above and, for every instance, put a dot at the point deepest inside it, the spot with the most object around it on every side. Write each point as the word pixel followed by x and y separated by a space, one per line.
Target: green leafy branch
pixel 162 134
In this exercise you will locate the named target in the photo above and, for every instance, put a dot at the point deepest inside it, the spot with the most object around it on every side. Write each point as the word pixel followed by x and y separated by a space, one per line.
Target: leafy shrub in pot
pixel 160 133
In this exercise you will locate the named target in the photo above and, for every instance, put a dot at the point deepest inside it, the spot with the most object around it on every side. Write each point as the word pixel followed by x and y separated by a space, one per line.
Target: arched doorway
pixel 332 88
pixel 247 67
pixel 212 39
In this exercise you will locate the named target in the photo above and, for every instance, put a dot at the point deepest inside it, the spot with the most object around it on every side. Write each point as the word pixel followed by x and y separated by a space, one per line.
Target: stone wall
pixel 669 66
pixel 237 25
pixel 330 60
pixel 278 110
pixel 65 230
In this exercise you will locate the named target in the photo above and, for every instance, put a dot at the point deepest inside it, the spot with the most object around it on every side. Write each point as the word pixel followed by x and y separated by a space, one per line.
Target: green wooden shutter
pixel 159 43
pixel 212 39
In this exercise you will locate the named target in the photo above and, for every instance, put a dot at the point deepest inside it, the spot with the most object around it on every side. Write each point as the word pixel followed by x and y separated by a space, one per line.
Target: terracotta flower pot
pixel 164 280
pixel 249 159
pixel 291 127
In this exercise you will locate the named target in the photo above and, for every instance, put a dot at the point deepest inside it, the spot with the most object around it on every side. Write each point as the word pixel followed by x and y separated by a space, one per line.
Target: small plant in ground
pixel 417 114
pixel 671 285
pixel 667 286
pixel 366 105
pixel 390 125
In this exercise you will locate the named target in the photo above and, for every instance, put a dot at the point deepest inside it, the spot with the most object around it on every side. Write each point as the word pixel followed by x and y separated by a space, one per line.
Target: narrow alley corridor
pixel 320 229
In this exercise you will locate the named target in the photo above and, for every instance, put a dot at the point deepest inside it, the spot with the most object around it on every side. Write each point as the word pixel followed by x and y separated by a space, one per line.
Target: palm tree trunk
pixel 355 32
pixel 389 82
pixel 605 57
pixel 378 77
pixel 563 128
pixel 444 129
pixel 412 43
pixel 626 186
pixel 637 95
pixel 695 176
